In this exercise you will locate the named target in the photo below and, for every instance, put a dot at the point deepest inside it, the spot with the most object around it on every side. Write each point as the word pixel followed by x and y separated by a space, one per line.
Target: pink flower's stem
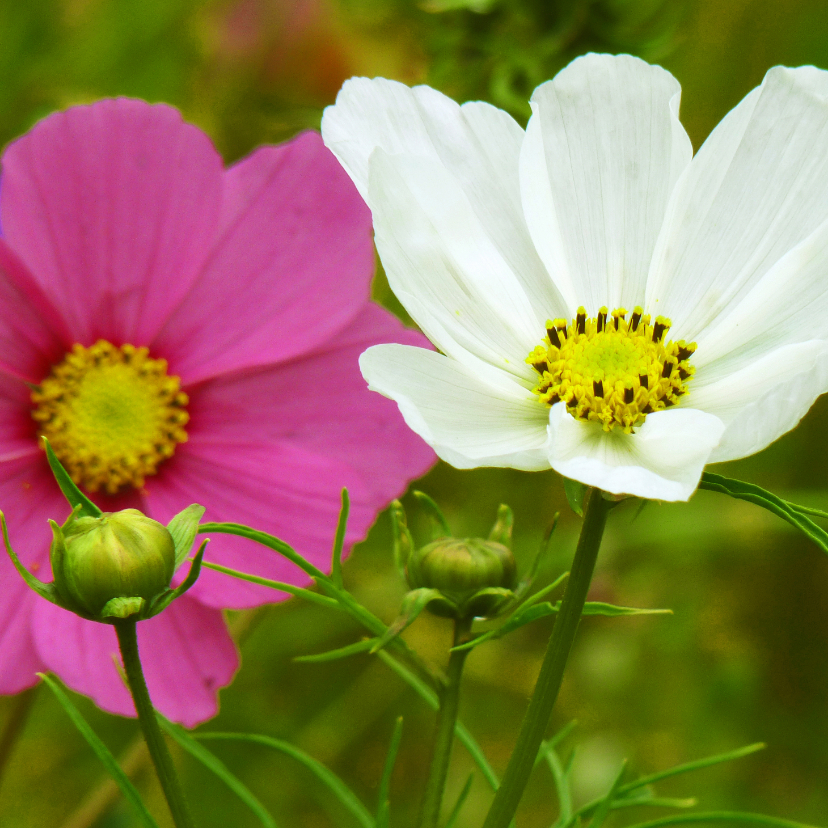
pixel 128 642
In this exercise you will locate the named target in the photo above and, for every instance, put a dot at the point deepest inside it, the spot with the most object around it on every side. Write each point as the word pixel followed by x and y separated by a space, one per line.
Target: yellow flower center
pixel 111 414
pixel 610 370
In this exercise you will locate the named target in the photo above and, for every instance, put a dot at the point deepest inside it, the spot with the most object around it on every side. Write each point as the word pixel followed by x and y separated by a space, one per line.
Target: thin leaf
pixel 603 808
pixel 430 698
pixel 383 795
pixel 328 778
pixel 722 816
pixel 612 611
pixel 767 500
pixel 307 594
pixel 214 764
pixel 458 806
pixel 575 492
pixel 70 491
pixel 543 551
pixel 342 652
pixel 561 781
pixel 441 527
pixel 810 511
pixel 520 618
pixel 183 528
pixel 271 542
pixel 688 767
pixel 654 802
pixel 102 752
pixel 339 540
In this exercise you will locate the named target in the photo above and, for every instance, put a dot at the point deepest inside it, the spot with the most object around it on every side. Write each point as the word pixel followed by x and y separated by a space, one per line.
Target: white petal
pixel 603 151
pixel 443 267
pixel 467 422
pixel 788 305
pixel 755 190
pixel 663 460
pixel 476 145
pixel 765 399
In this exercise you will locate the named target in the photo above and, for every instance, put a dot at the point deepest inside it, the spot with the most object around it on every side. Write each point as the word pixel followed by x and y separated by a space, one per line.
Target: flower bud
pixel 100 561
pixel 468 572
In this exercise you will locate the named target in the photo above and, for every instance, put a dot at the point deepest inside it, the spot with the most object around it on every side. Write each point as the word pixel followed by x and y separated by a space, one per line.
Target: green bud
pixel 475 576
pixel 112 565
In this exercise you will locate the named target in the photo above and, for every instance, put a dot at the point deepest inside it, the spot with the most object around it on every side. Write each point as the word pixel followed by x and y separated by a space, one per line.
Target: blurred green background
pixel 744 658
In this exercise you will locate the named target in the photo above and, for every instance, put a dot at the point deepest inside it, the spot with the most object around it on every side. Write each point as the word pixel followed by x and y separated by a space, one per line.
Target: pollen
pixel 112 415
pixel 611 370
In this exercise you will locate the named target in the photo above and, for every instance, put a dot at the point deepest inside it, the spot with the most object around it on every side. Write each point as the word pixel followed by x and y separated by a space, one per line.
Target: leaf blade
pixel 102 752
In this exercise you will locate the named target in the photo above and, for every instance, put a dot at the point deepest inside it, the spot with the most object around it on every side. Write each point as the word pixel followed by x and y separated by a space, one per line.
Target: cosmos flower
pixel 182 333
pixel 606 304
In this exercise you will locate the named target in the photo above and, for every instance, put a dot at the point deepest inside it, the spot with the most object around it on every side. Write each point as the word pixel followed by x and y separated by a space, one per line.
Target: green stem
pixel 446 721
pixel 15 723
pixel 551 674
pixel 128 642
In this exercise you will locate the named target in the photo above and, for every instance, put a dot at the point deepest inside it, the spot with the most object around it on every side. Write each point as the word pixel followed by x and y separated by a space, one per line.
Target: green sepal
pixel 412 605
pixel 502 529
pixel 162 601
pixel 123 607
pixel 403 543
pixel 575 492
pixel 439 525
pixel 77 499
pixel 472 605
pixel 183 528
pixel 44 590
pixel 339 540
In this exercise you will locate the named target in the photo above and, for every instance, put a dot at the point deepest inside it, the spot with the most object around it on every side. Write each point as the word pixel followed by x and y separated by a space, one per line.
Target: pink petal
pixel 279 488
pixel 28 497
pixel 32 335
pixel 291 267
pixel 112 207
pixel 321 402
pixel 186 652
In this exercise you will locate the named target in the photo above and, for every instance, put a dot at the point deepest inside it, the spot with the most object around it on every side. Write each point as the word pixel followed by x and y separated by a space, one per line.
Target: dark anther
pixel 602 319
pixel 658 330
pixel 683 374
pixel 555 398
pixel 598 388
pixel 541 366
pixel 553 337
pixel 668 402
pixel 678 392
pixel 667 369
pixel 572 402
pixel 644 380
pixel 636 318
pixel 648 409
pixel 629 395
pixel 685 352
pixel 580 321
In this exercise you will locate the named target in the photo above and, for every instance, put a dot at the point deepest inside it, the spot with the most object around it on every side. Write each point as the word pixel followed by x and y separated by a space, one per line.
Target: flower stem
pixel 551 674
pixel 446 720
pixel 128 642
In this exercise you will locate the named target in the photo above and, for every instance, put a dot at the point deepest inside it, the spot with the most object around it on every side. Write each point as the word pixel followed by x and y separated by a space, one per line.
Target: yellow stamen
pixel 610 369
pixel 111 414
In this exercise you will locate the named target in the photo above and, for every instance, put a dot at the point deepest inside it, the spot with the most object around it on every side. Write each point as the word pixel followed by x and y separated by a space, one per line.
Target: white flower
pixel 487 232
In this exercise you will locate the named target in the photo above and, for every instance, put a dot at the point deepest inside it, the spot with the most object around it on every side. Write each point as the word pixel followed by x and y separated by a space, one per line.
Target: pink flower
pixel 120 224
